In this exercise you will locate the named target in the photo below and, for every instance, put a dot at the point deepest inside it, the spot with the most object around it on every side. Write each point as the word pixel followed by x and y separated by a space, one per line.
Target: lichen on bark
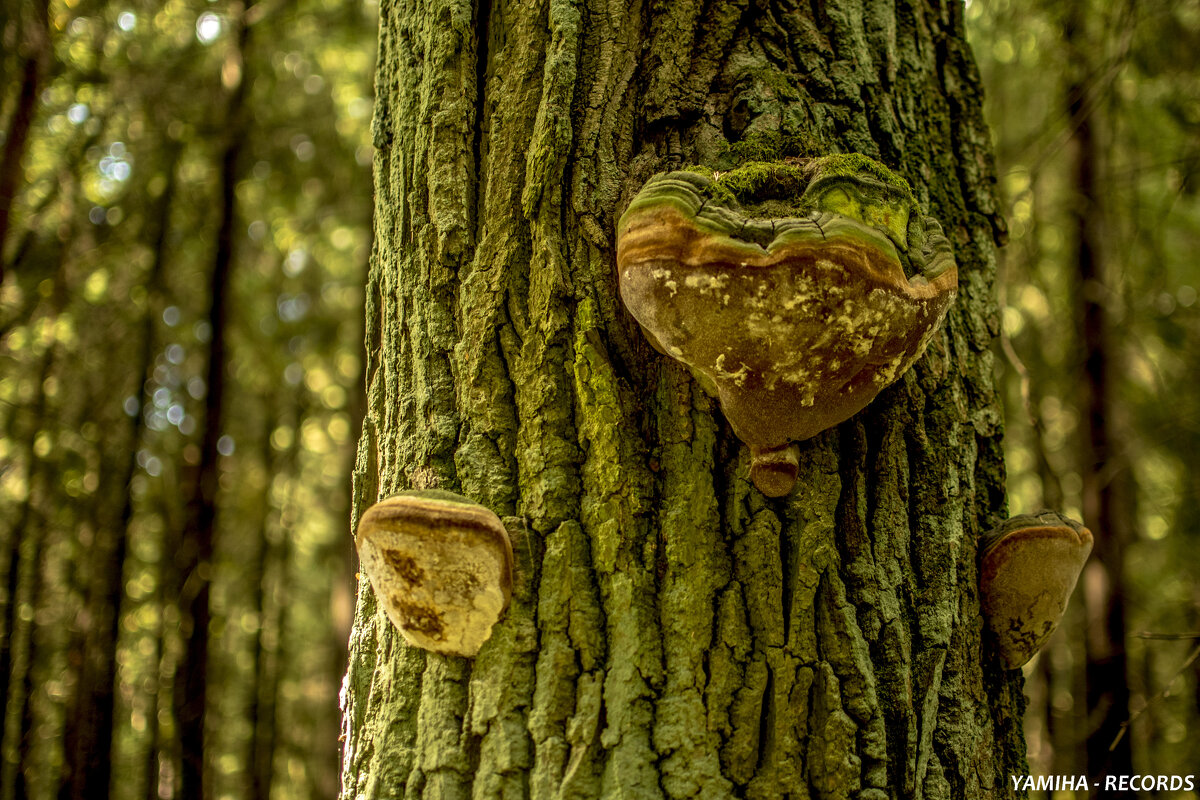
pixel 672 633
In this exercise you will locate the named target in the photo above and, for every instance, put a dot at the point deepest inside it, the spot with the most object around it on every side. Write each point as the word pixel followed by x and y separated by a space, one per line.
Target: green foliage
pixel 1138 88
pixel 105 342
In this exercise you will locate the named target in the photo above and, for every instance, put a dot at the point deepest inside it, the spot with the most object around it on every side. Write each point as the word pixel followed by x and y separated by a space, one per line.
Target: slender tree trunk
pixel 266 731
pixel 258 780
pixel 88 730
pixel 163 759
pixel 36 47
pixel 271 601
pixel 18 543
pixel 1105 503
pixel 267 675
pixel 672 632
pixel 23 590
pixel 1104 470
pixel 195 558
pixel 151 761
pixel 26 568
pixel 24 666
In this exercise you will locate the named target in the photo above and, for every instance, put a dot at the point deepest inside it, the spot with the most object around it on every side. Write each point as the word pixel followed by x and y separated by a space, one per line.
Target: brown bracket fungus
pixel 793 292
pixel 441 567
pixel 1028 569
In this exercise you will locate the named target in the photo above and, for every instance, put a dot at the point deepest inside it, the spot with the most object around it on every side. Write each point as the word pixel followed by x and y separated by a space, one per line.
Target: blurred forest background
pixel 1095 114
pixel 185 202
pixel 182 324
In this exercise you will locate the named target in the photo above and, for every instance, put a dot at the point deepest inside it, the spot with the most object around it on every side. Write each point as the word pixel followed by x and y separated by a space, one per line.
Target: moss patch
pixel 760 189
pixel 857 165
pixel 767 146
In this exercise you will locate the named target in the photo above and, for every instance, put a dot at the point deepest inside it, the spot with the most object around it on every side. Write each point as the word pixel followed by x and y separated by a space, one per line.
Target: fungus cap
pixel 1028 569
pixel 441 567
pixel 794 323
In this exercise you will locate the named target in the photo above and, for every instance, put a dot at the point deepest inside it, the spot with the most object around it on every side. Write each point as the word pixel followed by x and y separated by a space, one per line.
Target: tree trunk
pixel 36 50
pixel 672 632
pixel 88 729
pixel 162 762
pixel 1107 500
pixel 271 584
pixel 31 541
pixel 24 588
pixel 24 537
pixel 260 748
pixel 195 558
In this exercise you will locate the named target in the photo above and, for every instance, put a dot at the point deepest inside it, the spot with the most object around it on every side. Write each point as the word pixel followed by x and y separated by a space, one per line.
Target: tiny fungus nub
pixel 1028 569
pixel 441 567
pixel 794 312
pixel 774 471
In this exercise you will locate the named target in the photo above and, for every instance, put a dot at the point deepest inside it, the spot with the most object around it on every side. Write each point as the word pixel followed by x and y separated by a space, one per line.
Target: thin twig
pixel 1194 636
pixel 1164 694
pixel 1032 413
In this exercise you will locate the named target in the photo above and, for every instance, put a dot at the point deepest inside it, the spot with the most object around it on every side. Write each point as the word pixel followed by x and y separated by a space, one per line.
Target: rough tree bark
pixel 672 632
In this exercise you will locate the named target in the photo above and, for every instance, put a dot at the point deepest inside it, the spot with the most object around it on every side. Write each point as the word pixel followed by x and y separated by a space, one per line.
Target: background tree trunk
pixel 195 557
pixel 1107 496
pixel 672 632
pixel 89 725
pixel 34 23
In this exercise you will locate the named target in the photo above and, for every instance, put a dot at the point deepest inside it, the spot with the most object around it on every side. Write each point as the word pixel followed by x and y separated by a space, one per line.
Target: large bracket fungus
pixel 441 567
pixel 793 292
pixel 1028 569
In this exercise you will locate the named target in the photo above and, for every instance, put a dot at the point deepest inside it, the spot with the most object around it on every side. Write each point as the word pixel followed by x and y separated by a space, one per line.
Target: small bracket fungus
pixel 1028 570
pixel 441 567
pixel 793 292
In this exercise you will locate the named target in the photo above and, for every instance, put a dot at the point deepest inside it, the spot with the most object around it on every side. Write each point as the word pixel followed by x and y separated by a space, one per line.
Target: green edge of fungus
pixel 764 189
